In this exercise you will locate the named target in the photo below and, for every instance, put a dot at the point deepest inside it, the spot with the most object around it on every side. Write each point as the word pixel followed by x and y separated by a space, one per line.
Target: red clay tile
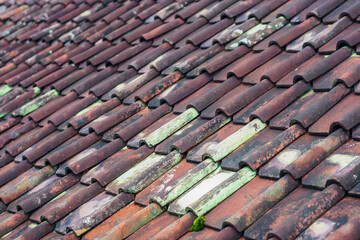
pixel 316 154
pixel 132 84
pixel 58 74
pixel 91 156
pixel 97 34
pixel 356 133
pixel 235 202
pixel 271 148
pixel 181 106
pixel 238 8
pixel 81 8
pixel 314 29
pixel 24 74
pixel 59 32
pixel 42 193
pixel 260 204
pixel 219 61
pixel 154 189
pixel 39 75
pixel 169 144
pixel 146 13
pixel 170 9
pixel 282 120
pixel 259 149
pixel 134 222
pixel 302 218
pixel 317 109
pixel 70 110
pixel 139 31
pixel 16 131
pixel 28 139
pixel 258 11
pixel 343 114
pixel 339 215
pixel 67 56
pixel 280 102
pixel 24 182
pixel 195 154
pixel 11 96
pixel 348 37
pixel 224 93
pixel 345 72
pixel 122 30
pixel 270 66
pixel 243 116
pixel 146 120
pixel 242 100
pixel 276 216
pixel 28 230
pixel 196 58
pixel 81 119
pixel 139 8
pixel 47 144
pixel 145 176
pixel 103 206
pixel 116 117
pixel 112 221
pixel 70 148
pixel 19 69
pixel 349 230
pixel 135 141
pixel 66 202
pixel 56 53
pixel 12 170
pixel 327 34
pixel 120 162
pixel 119 11
pixel 9 123
pixel 206 233
pixel 153 227
pixel 177 228
pixel 153 88
pixel 335 169
pixel 348 8
pixel 130 52
pixel 289 154
pixel 184 30
pixel 151 55
pixel 111 82
pixel 9 221
pixel 252 61
pixel 190 140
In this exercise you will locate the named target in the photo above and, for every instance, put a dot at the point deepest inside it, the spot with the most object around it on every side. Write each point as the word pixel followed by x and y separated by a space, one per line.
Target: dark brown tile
pixel 340 167
pixel 348 37
pixel 289 154
pixel 120 162
pixel 308 213
pixel 24 182
pixel 195 154
pixel 308 160
pixel 65 202
pixel 103 206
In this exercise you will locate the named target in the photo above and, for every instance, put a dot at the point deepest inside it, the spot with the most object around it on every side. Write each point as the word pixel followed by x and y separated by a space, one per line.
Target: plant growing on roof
pixel 198 224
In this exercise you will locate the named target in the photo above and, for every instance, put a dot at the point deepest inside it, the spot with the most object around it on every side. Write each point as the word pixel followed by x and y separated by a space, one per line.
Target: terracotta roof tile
pixel 136 119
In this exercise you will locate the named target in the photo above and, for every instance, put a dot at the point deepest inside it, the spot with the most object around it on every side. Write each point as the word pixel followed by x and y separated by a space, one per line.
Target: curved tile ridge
pixel 170 127
pixel 261 204
pixel 216 152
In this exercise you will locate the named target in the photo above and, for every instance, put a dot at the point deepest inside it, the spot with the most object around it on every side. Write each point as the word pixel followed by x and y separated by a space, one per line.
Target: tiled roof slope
pixel 131 119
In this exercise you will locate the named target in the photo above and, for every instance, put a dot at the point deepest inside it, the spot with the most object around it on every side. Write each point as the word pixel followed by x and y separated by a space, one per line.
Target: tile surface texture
pixel 163 119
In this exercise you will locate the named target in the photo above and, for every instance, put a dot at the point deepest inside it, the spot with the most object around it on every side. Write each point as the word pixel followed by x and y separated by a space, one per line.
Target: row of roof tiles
pixel 120 116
